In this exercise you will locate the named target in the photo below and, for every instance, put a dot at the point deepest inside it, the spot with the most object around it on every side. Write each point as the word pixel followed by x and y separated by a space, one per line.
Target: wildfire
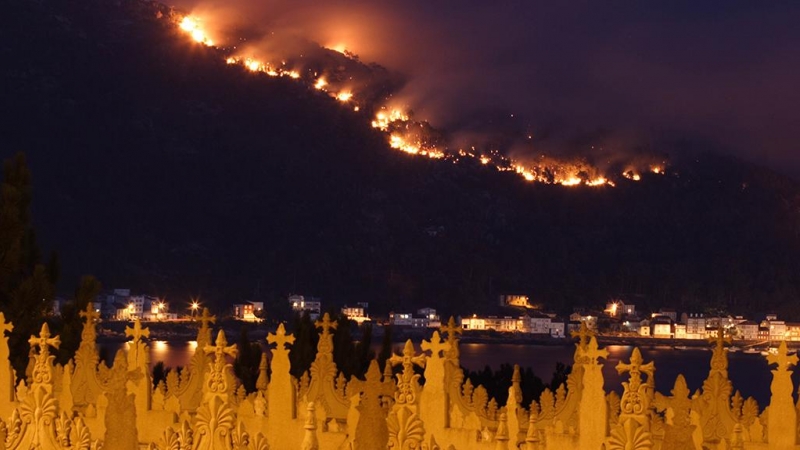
pixel 383 119
pixel 414 148
pixel 192 26
pixel 344 96
pixel 417 138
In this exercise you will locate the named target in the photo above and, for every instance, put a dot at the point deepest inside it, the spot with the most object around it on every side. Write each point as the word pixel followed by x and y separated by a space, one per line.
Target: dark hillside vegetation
pixel 158 167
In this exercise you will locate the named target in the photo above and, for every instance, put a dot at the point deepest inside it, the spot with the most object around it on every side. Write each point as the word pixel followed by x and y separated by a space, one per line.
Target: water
pixel 748 372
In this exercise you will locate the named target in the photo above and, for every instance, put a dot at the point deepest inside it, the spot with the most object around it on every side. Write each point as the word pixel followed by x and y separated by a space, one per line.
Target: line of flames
pixel 391 120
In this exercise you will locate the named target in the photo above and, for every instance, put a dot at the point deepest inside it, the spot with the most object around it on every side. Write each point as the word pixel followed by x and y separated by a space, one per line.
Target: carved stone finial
pixel 407 385
pixel 42 368
pixel 634 401
pixel 435 345
pixel 91 317
pixel 583 334
pixel 719 358
pixel 782 358
pixel 325 345
pixel 452 331
pixel 310 441
pixel 262 382
pixel 280 338
pixel 217 381
pixel 204 333
pixel 137 332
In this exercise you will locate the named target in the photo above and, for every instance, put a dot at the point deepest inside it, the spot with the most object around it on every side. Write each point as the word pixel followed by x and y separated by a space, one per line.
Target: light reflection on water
pixel 748 372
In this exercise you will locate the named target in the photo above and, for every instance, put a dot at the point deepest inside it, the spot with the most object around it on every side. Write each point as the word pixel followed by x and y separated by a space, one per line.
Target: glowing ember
pixel 485 160
pixel 321 83
pixel 191 26
pixel 344 96
pixel 631 175
pixel 383 119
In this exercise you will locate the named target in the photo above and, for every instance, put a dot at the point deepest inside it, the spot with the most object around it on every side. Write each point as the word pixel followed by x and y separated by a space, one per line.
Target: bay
pixel 749 373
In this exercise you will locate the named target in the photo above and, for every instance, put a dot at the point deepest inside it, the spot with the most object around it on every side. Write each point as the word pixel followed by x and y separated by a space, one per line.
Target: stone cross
pixel 5 327
pixel 90 314
pixel 44 340
pixel 221 348
pixel 435 345
pixel 583 334
pixel 217 382
pixel 407 381
pixel 593 351
pixel 782 359
pixel 452 331
pixel 137 332
pixel 636 368
pixel 326 324
pixel 206 318
pixel 280 338
pixel 42 370
pixel 408 359
pixel 325 344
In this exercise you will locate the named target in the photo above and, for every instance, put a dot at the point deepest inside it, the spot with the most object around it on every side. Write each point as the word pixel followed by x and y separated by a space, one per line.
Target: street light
pixel 195 306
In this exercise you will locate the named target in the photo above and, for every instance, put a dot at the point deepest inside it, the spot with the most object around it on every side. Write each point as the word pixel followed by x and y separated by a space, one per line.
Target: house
pixel 589 319
pixel 557 329
pixel 424 318
pixel 522 301
pixel 661 327
pixel 695 325
pixel 356 313
pixel 301 304
pixel 505 324
pixel 644 328
pixel 618 308
pixel 248 311
pixel 747 330
pixel 540 324
pixel 669 312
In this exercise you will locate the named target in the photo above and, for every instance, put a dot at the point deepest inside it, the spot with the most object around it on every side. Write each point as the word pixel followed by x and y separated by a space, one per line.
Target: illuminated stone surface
pixel 87 405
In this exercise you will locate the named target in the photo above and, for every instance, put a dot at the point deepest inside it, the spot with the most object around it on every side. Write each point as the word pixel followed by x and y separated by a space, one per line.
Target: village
pixel 516 316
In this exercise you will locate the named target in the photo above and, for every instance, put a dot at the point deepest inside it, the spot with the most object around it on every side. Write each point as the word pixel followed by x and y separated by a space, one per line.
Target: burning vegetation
pixel 403 132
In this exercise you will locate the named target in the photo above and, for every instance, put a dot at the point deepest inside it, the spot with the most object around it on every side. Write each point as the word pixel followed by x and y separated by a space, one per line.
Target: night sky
pixel 616 76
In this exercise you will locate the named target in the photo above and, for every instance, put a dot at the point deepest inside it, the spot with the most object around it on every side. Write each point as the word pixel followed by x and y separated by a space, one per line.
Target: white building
pixel 695 325
pixel 248 311
pixel 357 314
pixel 424 318
pixel 504 324
pixel 515 300
pixel 557 329
pixel 302 304
pixel 539 324
pixel 747 330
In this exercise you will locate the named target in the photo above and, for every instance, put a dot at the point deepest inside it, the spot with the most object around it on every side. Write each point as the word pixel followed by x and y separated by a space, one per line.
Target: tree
pixel 71 325
pixel 304 349
pixel 245 366
pixel 26 285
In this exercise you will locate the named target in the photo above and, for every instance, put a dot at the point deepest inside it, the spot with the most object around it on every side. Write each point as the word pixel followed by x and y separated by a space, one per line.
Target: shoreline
pixel 170 331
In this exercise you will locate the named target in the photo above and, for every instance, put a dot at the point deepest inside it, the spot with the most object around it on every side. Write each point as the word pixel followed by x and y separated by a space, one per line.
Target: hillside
pixel 158 167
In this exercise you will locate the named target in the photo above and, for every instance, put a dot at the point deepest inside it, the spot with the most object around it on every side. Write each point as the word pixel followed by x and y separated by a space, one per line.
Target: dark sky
pixel 724 73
